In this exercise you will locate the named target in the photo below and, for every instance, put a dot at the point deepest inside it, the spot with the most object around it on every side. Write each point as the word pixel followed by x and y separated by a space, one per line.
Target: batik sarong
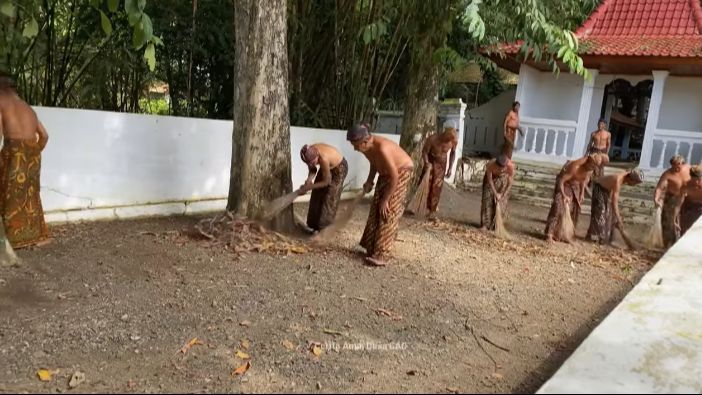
pixel 324 202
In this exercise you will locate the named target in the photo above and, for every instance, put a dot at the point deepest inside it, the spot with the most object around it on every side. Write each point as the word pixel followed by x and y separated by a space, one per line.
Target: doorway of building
pixel 625 109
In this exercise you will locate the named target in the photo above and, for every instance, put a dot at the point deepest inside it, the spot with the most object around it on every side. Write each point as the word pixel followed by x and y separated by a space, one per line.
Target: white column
pixel 455 110
pixel 654 109
pixel 525 78
pixel 581 133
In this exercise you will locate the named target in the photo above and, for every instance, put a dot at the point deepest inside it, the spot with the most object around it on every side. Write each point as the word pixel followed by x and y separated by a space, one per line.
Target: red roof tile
pixel 663 28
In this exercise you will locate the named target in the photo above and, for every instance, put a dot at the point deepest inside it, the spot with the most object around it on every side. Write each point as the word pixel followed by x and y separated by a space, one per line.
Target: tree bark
pixel 261 139
pixel 421 104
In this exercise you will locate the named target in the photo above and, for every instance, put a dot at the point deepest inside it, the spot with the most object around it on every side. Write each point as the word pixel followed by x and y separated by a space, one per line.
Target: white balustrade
pixel 539 134
pixel 671 143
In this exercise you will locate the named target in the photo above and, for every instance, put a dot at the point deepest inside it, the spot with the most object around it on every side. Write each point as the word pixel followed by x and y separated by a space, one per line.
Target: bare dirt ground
pixel 459 311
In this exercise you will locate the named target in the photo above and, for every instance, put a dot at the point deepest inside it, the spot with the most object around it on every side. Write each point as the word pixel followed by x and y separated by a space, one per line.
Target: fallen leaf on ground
pixel 288 344
pixel 497 376
pixel 245 323
pixel 77 379
pixel 241 369
pixel 453 389
pixel 242 355
pixel 245 344
pixel 393 316
pixel 332 332
pixel 45 374
pixel 316 349
pixel 194 341
pixel 412 373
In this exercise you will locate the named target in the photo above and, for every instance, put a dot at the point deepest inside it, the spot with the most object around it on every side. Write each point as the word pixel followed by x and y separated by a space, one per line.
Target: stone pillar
pixel 659 78
pixel 581 133
pixel 455 110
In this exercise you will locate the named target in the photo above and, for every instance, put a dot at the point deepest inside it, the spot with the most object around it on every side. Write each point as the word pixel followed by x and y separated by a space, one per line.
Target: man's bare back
pixel 329 154
pixel 19 121
pixel 386 157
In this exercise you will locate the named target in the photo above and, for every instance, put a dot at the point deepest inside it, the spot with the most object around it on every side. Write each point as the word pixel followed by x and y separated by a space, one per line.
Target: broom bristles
pixel 655 234
pixel 418 204
pixel 500 229
pixel 342 218
pixel 567 229
pixel 277 205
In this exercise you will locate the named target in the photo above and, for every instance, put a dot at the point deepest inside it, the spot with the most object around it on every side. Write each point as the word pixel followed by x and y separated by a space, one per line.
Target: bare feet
pixel 550 239
pixel 483 228
pixel 375 261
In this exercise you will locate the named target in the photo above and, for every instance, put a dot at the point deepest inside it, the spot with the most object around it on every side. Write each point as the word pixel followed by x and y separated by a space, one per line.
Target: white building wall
pixel 548 96
pixel 682 104
pixel 113 165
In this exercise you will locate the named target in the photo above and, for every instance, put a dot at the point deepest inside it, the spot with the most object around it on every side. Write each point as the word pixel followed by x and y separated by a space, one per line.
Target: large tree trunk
pixel 421 104
pixel 261 140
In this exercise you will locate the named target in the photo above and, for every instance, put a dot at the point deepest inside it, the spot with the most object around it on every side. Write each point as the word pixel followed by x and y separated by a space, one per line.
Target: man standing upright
pixel 394 167
pixel 24 138
pixel 434 155
pixel 600 140
pixel 668 194
pixel 511 127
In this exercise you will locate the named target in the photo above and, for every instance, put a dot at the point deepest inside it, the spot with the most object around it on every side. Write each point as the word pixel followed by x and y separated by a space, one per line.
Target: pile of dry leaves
pixel 241 235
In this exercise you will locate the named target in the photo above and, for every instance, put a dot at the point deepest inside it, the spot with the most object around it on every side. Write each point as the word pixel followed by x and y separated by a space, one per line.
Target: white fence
pixel 545 140
pixel 667 143
pixel 101 165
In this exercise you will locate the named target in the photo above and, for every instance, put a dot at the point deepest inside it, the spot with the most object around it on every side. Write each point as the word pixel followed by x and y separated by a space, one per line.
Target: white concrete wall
pixel 652 341
pixel 682 104
pixel 484 124
pixel 549 96
pixel 114 165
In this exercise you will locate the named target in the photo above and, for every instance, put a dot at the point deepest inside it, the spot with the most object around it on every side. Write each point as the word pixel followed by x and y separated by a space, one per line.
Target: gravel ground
pixel 458 310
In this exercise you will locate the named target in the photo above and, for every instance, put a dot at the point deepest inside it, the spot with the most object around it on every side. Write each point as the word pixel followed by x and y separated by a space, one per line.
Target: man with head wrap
pixel 394 167
pixel 668 195
pixel 326 184
pixel 604 213
pixel 690 205
pixel 497 183
pixel 434 152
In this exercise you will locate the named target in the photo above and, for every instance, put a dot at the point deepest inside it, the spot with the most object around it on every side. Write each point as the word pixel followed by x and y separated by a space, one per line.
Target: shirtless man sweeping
pixel 689 207
pixel 570 189
pixel 605 215
pixel 668 194
pixel 510 129
pixel 24 139
pixel 497 182
pixel 434 154
pixel 394 168
pixel 326 183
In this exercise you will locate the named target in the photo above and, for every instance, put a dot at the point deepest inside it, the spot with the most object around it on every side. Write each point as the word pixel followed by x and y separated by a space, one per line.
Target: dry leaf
pixel 316 349
pixel 44 375
pixel 241 369
pixel 194 341
pixel 388 313
pixel 332 332
pixel 497 376
pixel 245 344
pixel 77 379
pixel 453 390
pixel 288 344
pixel 245 323
pixel 242 355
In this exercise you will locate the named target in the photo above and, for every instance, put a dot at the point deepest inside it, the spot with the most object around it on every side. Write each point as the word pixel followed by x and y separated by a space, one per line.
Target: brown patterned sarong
pixel 20 203
pixel 379 235
pixel 488 205
pixel 324 202
pixel 689 213
pixel 572 190
pixel 438 172
pixel 602 219
pixel 670 231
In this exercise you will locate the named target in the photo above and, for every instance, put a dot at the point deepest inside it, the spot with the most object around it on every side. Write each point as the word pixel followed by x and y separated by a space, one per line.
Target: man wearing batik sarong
pixel 434 152
pixel 326 183
pixel 24 138
pixel 668 195
pixel 600 143
pixel 497 183
pixel 394 168
pixel 689 208
pixel 605 215
pixel 570 189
